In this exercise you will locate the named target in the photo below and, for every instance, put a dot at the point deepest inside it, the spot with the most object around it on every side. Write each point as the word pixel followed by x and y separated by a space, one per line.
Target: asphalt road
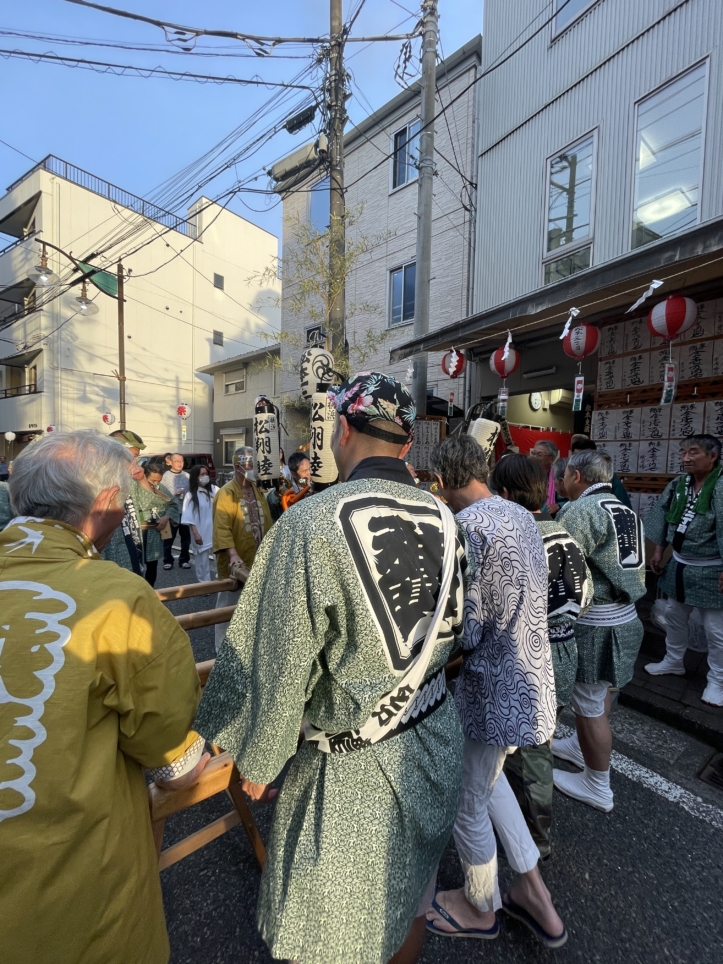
pixel 643 884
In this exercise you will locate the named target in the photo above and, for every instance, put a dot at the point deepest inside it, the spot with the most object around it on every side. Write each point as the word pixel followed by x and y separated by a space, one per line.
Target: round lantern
pixel 10 436
pixel 453 363
pixel 485 433
pixel 581 341
pixel 504 367
pixel 672 317
pixel 108 418
pixel 316 368
pixel 183 410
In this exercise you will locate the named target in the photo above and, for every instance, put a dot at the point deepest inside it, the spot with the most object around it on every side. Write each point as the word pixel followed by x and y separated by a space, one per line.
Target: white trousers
pixel 224 599
pixel 677 617
pixel 202 564
pixel 488 804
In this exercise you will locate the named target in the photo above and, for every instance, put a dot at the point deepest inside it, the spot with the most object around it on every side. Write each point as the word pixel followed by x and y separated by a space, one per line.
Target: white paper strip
pixel 643 297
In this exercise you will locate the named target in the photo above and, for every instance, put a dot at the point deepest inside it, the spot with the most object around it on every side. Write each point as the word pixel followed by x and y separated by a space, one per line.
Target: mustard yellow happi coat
pixel 96 681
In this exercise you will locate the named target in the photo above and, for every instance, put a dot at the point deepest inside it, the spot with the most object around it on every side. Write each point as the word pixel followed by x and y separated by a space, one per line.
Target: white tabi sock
pixel 597 780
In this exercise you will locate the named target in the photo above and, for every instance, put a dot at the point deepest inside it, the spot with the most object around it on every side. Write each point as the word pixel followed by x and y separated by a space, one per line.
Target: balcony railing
pixel 16 242
pixel 116 194
pixel 20 390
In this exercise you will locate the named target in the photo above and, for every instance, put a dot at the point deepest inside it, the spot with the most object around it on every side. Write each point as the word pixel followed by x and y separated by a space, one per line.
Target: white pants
pixel 486 802
pixel 677 616
pixel 202 564
pixel 224 599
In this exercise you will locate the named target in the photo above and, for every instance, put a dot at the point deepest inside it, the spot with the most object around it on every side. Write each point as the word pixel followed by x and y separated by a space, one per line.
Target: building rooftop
pixel 226 364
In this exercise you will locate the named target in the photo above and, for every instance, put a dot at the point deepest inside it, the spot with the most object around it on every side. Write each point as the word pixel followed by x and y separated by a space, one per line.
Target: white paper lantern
pixel 315 368
pixel 10 436
pixel 485 433
pixel 323 418
pixel 267 462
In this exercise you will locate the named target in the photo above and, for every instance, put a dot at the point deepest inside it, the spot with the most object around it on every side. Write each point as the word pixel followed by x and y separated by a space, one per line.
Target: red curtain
pixel 525 438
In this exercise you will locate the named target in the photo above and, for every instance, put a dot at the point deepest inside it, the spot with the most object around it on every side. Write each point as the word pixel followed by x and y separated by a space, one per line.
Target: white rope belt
pixel 608 614
pixel 697 562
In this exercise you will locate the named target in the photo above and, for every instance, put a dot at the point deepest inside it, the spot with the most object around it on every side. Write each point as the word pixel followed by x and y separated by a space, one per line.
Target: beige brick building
pixel 386 193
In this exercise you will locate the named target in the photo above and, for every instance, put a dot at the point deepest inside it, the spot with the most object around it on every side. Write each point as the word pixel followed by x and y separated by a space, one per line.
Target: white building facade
pixel 188 304
pixel 385 197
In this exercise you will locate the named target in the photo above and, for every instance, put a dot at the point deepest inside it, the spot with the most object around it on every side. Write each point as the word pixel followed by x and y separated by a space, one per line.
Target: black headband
pixel 361 424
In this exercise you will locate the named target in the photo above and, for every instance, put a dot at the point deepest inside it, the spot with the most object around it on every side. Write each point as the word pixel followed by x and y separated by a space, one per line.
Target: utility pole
pixel 336 339
pixel 121 374
pixel 430 20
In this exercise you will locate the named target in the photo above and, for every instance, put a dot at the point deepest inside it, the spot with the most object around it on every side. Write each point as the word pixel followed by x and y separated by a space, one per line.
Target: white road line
pixel 664 788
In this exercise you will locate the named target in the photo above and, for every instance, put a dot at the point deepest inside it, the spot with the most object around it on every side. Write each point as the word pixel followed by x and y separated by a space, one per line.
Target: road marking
pixel 664 788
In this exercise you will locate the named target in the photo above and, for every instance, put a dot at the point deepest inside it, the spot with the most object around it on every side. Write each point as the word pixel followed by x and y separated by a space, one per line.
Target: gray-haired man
pixel 609 634
pixel 547 453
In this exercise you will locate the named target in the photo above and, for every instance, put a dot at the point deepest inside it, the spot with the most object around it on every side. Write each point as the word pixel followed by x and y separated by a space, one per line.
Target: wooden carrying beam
pixel 197 589
pixel 208 617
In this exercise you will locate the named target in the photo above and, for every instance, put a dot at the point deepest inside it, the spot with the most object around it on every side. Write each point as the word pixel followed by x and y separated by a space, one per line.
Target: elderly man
pixel 241 518
pixel 581 443
pixel 97 682
pixel 505 696
pixel 176 482
pixel 547 453
pixel 609 634
pixel 689 517
pixel 346 622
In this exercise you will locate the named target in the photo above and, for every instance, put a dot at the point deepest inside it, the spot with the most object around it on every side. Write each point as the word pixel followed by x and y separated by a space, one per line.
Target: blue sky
pixel 139 132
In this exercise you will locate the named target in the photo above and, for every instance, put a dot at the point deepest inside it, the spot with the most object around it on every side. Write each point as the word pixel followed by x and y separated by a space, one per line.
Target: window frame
pixel 222 279
pixel 417 119
pixel 589 239
pixel 317 187
pixel 558 33
pixel 239 391
pixel 390 283
pixel 703 61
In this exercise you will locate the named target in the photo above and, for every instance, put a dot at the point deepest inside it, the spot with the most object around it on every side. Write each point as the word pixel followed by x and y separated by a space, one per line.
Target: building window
pixel 319 206
pixel 218 338
pixel 570 210
pixel 218 281
pixel 405 154
pixel 567 13
pixel 401 308
pixel 230 445
pixel 668 153
pixel 234 382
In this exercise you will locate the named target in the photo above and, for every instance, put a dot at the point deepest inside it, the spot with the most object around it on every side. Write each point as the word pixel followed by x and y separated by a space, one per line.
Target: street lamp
pixel 109 284
pixel 85 305
pixel 43 275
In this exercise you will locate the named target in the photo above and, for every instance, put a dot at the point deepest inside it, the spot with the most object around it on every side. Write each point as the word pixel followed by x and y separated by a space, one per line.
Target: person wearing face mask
pixel 241 518
pixel 198 516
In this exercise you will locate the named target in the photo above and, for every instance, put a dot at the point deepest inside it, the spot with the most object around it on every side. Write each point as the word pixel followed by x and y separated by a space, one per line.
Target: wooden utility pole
pixel 337 117
pixel 424 199
pixel 121 351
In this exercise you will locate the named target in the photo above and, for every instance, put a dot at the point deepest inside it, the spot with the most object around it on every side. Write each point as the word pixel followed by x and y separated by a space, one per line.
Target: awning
pixel 21 358
pixel 692 261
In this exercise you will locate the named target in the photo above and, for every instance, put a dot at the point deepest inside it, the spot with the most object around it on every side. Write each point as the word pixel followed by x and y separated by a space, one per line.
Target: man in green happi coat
pixel 689 517
pixel 352 607
pixel 609 634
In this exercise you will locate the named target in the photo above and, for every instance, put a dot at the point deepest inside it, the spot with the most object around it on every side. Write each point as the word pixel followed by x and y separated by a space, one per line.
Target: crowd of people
pixel 332 670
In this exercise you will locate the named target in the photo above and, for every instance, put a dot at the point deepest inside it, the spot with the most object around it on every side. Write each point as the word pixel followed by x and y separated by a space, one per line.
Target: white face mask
pixel 250 475
pixel 203 480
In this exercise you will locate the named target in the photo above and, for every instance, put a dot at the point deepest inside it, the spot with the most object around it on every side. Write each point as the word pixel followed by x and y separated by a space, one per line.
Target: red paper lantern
pixel 672 317
pixel 504 367
pixel 581 341
pixel 453 363
pixel 183 410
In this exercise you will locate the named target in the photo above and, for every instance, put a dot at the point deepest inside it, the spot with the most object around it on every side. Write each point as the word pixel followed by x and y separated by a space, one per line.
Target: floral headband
pixel 371 396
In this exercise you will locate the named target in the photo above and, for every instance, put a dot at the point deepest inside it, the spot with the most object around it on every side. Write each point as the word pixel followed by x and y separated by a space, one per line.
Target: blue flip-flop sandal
pixel 520 914
pixel 478 932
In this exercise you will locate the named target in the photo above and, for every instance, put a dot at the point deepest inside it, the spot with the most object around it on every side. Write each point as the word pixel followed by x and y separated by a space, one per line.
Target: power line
pixel 485 73
pixel 121 70
pixel 18 151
